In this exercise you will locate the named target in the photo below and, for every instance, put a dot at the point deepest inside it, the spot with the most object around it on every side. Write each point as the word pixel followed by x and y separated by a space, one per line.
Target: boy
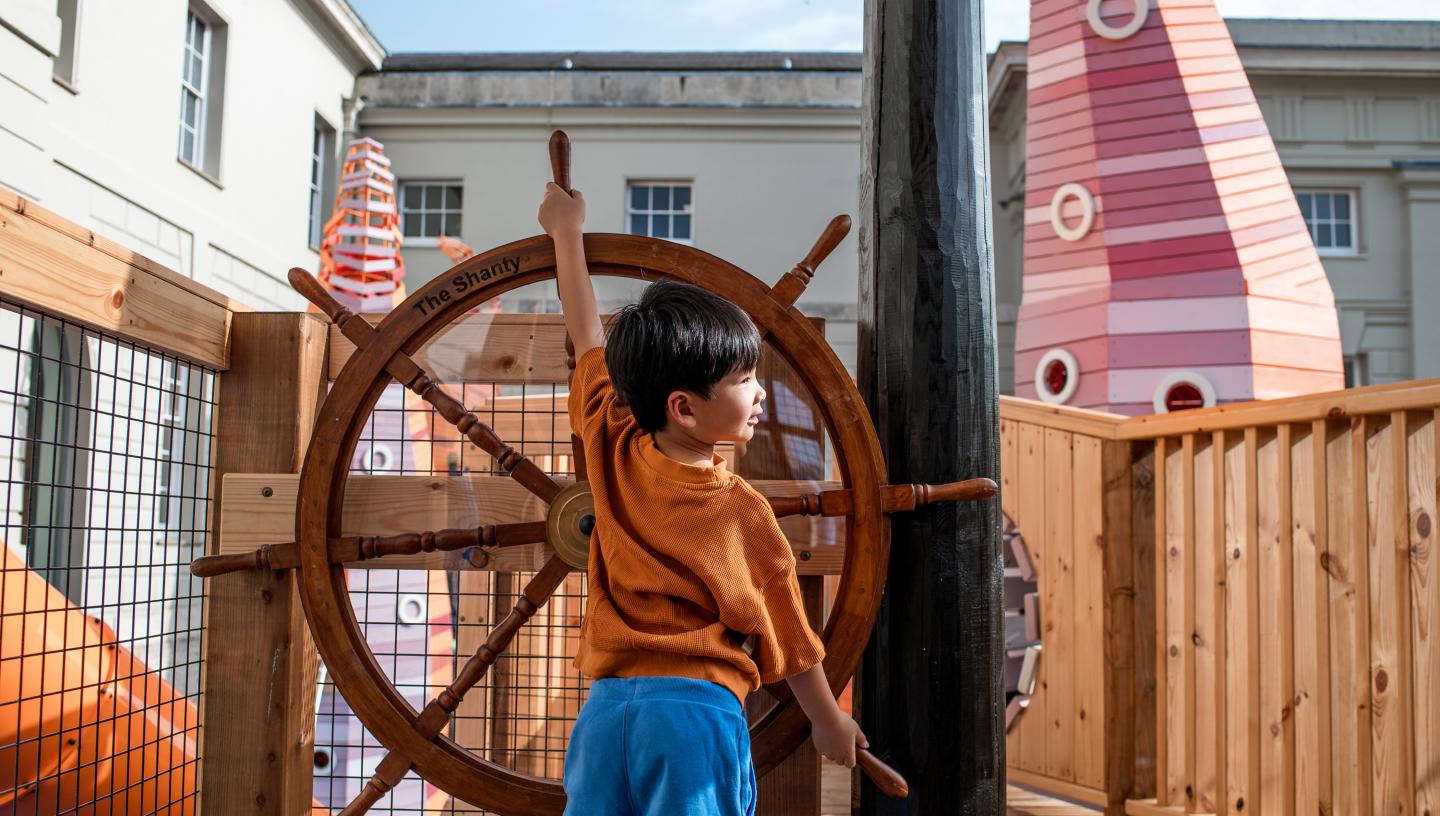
pixel 686 559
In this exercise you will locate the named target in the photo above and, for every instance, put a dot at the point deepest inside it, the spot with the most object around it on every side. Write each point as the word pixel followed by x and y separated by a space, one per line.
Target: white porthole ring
pixel 1174 378
pixel 1109 32
pixel 1072 376
pixel 410 609
pixel 1066 192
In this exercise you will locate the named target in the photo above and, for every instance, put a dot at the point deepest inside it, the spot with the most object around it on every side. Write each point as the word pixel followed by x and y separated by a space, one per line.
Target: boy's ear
pixel 679 408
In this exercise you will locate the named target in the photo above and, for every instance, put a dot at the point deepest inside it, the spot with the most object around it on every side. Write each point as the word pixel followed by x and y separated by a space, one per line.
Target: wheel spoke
pixel 898 497
pixel 793 283
pixel 520 468
pixel 353 549
pixel 348 549
pixel 436 715
pixel 577 453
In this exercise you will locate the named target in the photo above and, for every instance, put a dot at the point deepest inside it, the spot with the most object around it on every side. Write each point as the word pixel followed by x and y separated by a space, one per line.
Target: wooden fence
pixel 1287 580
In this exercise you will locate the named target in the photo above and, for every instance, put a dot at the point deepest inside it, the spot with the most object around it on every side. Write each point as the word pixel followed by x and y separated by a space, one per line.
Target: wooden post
pixel 932 702
pixel 259 706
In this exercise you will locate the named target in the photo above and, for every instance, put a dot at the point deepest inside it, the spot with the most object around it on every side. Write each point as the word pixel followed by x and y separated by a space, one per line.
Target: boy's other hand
pixel 561 214
pixel 835 739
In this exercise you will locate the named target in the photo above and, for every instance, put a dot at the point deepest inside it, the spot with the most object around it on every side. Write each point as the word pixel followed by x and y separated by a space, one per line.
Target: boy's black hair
pixel 678 337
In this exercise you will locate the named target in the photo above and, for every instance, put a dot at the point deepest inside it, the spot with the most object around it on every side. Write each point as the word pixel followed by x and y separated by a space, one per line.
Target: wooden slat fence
pixel 1284 617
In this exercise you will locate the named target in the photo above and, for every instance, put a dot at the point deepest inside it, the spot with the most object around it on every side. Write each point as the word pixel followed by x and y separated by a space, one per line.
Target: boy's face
pixel 731 413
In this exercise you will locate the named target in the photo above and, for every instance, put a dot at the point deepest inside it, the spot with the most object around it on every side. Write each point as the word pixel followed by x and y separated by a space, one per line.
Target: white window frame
pixel 403 185
pixel 629 211
pixel 322 168
pixel 193 19
pixel 1354 199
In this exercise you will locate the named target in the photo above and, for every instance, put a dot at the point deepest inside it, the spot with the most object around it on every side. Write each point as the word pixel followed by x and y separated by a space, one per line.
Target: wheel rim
pixel 341 419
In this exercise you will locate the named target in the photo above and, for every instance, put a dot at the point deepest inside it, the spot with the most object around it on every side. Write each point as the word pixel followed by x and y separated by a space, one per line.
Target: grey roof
pixel 1369 34
pixel 846 61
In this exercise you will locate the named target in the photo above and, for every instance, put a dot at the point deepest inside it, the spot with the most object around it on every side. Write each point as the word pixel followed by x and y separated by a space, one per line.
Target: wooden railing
pixel 1291 553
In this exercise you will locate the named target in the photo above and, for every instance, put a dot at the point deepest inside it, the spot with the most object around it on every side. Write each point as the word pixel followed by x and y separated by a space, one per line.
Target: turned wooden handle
pixel 560 159
pixel 209 566
pixel 312 290
pixel 886 778
pixel 834 233
pixel 968 490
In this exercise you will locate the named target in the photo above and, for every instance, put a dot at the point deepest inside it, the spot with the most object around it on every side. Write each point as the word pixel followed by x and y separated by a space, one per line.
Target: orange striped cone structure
pixel 360 255
pixel 1167 264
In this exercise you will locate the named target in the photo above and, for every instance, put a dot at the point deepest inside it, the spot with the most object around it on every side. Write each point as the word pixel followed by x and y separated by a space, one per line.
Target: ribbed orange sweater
pixel 685 561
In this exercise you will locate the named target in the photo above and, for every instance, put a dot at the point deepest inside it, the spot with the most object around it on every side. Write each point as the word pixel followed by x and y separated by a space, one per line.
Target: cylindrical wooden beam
pixel 927 370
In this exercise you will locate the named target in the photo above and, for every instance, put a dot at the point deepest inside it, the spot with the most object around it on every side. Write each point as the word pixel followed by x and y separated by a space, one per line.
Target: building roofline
pixel 688 61
pixel 354 35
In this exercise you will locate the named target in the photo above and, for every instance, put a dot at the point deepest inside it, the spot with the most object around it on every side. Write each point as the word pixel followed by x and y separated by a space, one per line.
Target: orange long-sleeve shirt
pixel 685 561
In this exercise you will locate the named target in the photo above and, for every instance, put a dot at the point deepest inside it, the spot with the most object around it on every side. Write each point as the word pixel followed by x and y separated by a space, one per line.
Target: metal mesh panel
pixel 106 458
pixel 423 626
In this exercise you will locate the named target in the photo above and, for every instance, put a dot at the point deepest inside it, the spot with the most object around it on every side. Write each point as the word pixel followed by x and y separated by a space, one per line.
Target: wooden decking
pixel 835 792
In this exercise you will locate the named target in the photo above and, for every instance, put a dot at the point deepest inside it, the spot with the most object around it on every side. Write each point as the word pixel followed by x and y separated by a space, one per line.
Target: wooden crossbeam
pixel 259 509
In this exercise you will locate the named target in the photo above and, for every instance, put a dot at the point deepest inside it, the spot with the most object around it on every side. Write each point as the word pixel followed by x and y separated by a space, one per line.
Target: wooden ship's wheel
pixel 385 353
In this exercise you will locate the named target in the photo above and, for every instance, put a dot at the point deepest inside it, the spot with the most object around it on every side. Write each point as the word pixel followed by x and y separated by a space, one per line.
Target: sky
pixel 730 25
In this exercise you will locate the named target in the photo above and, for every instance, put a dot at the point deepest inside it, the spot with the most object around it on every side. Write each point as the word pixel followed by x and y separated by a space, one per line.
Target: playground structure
pixel 1167 264
pixel 1239 602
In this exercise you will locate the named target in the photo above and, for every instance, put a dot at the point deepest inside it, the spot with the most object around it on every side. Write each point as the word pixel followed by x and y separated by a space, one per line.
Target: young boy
pixel 686 558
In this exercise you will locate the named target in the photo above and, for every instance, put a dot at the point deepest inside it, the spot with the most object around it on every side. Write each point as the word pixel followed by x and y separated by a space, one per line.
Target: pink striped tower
pixel 1166 260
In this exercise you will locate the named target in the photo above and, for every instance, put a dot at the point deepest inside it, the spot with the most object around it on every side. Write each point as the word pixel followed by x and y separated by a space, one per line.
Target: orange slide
pixel 85 727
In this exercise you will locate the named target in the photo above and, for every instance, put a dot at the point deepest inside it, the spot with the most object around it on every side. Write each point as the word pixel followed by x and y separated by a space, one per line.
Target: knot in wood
pixel 477 558
pixel 1422 524
pixel 1382 680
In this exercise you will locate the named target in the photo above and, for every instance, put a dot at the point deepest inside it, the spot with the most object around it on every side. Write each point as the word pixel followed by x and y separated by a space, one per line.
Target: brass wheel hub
pixel 570 523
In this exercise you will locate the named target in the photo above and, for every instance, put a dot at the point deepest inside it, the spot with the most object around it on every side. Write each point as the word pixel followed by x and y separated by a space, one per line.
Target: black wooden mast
pixel 930 684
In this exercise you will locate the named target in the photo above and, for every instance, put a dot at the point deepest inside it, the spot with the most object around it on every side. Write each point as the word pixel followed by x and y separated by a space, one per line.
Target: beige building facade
pixel 746 156
pixel 188 130
pixel 1354 109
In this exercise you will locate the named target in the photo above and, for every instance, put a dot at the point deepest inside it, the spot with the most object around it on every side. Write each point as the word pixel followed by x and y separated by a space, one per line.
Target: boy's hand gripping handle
pixel 560 159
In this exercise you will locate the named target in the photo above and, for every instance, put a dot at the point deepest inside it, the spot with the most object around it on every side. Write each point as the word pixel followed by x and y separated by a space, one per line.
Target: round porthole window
pixel 1057 375
pixel 1066 192
pixel 411 609
pixel 1109 32
pixel 1183 390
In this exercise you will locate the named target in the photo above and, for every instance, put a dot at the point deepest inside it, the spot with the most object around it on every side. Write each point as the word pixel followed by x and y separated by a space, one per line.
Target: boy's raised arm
pixel 562 216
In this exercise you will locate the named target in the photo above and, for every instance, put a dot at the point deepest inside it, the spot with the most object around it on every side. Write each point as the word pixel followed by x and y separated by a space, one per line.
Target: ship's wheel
pixel 385 353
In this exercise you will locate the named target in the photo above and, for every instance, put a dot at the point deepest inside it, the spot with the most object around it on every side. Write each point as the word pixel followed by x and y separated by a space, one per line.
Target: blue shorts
pixel 659 746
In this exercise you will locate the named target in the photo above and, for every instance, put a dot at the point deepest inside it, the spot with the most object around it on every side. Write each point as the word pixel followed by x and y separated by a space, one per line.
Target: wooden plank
pixel 1148 610
pixel 1352 402
pixel 1310 624
pixel 1390 711
pixel 1010 507
pixel 1049 784
pixel 483 347
pixel 1121 653
pixel 1031 509
pixel 1217 488
pixel 1098 424
pixel 1179 611
pixel 1088 505
pixel 1209 621
pixel 53 271
pixel 261 665
pixel 1276 667
pixel 1424 599
pixel 1241 622
pixel 387 505
pixel 1349 587
pixel 1163 780
pixel 1057 605
pixel 64 226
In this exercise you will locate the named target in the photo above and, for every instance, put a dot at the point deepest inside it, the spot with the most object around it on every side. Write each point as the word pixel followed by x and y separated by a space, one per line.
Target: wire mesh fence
pixel 106 452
